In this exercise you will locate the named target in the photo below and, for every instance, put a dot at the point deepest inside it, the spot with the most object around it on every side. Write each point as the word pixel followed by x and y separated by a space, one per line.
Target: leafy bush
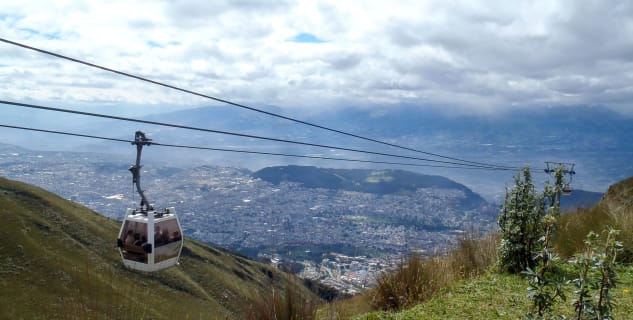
pixel 596 272
pixel 520 225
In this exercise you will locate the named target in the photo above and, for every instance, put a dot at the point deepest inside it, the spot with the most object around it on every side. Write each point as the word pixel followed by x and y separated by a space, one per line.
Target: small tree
pixel 520 225
pixel 545 282
pixel 596 266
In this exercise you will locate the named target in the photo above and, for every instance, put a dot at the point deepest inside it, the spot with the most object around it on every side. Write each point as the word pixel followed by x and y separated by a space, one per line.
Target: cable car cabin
pixel 566 190
pixel 150 240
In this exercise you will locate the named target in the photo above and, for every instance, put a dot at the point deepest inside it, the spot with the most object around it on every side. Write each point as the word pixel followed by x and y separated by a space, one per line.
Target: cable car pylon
pixel 149 240
pixel 565 169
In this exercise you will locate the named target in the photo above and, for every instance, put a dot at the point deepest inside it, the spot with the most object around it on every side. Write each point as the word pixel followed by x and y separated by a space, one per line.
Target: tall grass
pixel 345 308
pixel 418 278
pixel 291 303
pixel 574 226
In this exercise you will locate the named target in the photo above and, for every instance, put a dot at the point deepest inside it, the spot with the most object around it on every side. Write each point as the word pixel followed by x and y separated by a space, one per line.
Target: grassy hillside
pixel 504 296
pixel 58 260
pixel 615 209
pixel 498 296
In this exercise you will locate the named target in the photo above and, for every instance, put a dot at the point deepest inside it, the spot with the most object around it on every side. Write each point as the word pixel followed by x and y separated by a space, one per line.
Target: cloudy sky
pixel 470 55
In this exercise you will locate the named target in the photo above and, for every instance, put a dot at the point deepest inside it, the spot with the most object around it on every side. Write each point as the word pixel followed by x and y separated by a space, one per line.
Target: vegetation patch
pixel 592 278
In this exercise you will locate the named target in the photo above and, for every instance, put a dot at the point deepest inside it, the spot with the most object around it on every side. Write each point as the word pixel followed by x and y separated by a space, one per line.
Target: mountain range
pixel 594 138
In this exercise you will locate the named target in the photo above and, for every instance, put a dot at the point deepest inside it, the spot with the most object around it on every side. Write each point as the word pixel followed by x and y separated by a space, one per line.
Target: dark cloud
pixel 342 61
pixel 558 55
pixel 198 13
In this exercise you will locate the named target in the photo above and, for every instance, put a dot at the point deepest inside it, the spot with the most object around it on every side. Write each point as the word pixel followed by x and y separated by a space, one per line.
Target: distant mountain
pixel 566 125
pixel 362 180
pixel 59 260
pixel 593 137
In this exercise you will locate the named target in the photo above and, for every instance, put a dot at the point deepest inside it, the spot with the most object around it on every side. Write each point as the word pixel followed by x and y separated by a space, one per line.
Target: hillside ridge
pixel 60 258
pixel 381 182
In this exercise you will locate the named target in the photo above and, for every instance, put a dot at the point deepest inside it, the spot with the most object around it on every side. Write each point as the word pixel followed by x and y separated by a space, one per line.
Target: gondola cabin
pixel 150 240
pixel 566 190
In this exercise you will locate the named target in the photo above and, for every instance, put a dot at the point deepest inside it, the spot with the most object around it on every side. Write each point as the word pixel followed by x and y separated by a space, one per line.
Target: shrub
pixel 520 225
pixel 596 272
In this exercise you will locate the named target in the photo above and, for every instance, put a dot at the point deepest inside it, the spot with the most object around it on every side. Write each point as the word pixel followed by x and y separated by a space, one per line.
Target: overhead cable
pixel 272 114
pixel 27 105
pixel 243 151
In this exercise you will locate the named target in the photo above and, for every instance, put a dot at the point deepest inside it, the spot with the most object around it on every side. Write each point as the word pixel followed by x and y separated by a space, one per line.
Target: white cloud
pixel 477 56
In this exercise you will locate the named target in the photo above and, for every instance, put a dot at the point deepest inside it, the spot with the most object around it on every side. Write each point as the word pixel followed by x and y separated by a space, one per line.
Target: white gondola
pixel 150 251
pixel 149 240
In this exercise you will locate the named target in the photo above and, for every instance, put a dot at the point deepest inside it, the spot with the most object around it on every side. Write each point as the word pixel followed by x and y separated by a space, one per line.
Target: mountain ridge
pixel 514 137
pixel 388 181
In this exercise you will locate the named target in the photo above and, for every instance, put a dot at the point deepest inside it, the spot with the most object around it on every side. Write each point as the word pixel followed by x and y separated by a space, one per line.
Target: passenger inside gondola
pixel 133 240
pixel 129 238
pixel 175 236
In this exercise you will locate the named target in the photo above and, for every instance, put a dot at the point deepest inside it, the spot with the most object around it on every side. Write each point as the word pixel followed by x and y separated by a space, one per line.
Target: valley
pixel 338 235
pixel 230 208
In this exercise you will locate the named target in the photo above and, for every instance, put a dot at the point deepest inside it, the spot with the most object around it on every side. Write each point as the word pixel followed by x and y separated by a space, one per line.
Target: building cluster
pixel 227 207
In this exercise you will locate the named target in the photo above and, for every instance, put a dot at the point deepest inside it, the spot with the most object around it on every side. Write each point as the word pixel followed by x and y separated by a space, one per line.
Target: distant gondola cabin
pixel 150 240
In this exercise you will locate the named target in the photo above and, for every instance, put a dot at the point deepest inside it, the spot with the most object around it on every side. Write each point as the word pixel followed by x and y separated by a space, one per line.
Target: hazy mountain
pixel 580 199
pixel 368 181
pixel 594 138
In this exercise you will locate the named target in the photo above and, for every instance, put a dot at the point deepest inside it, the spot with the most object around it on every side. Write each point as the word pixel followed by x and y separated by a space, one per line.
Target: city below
pixel 342 238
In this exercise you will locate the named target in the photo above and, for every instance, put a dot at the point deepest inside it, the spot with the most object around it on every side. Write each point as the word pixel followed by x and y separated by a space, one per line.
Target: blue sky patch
pixel 304 37
pixel 36 33
pixel 155 44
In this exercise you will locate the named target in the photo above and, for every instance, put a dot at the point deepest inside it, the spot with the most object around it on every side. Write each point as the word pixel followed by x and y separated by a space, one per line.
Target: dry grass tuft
pixel 418 278
pixel 288 304
pixel 574 226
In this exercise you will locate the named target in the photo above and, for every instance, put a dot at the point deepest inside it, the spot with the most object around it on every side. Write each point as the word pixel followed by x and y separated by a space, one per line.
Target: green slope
pixel 499 296
pixel 58 260
pixel 504 296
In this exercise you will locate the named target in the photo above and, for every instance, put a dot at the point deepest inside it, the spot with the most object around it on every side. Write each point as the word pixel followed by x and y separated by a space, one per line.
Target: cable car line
pixel 26 105
pixel 326 158
pixel 272 114
pixel 65 133
pixel 247 151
